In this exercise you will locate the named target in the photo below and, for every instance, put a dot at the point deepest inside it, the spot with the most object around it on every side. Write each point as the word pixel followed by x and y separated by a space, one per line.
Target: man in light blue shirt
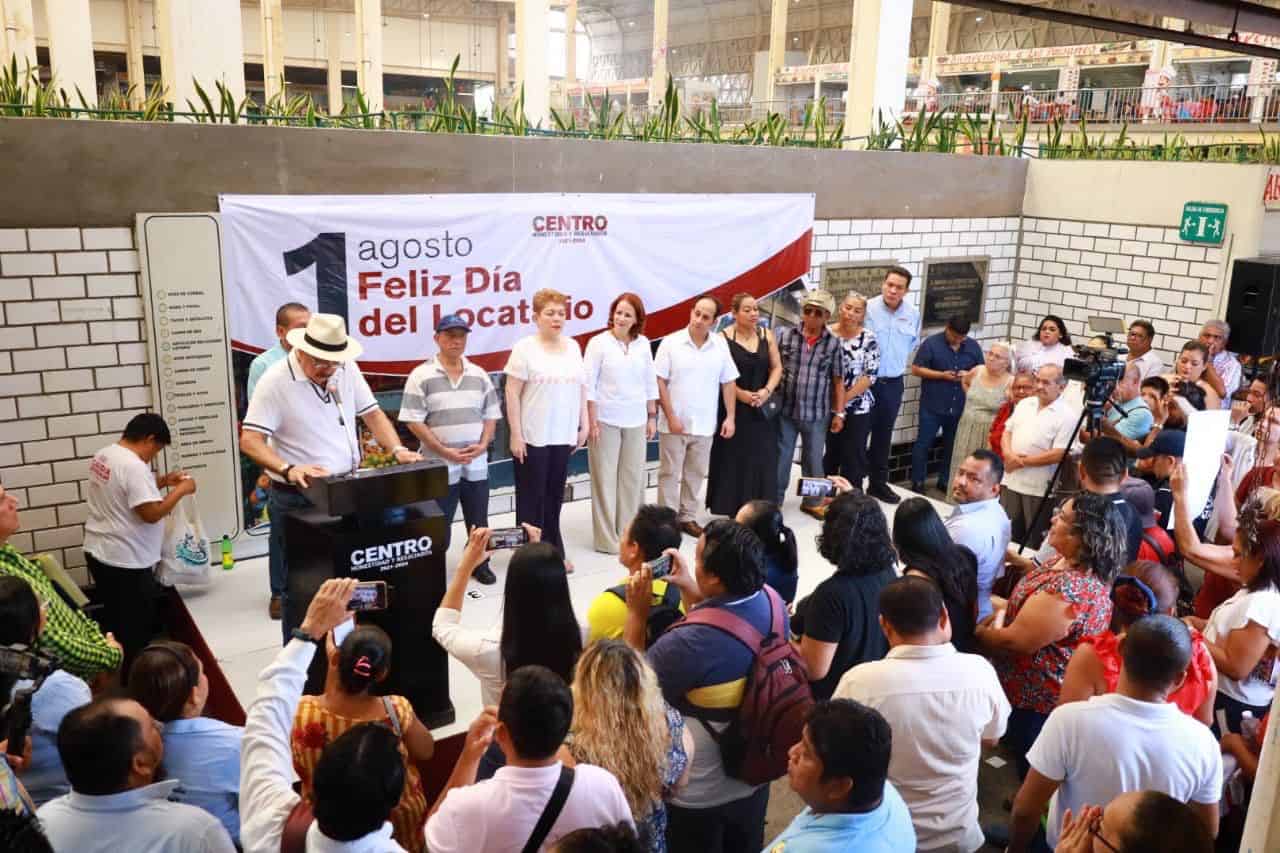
pixel 840 769
pixel 111 750
pixel 979 522
pixel 289 316
pixel 1128 415
pixel 896 324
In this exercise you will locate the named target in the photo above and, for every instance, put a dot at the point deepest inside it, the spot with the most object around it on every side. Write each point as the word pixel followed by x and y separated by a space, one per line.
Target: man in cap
pixel 1157 545
pixel 942 363
pixel 1156 461
pixel 812 392
pixel 307 404
pixel 452 407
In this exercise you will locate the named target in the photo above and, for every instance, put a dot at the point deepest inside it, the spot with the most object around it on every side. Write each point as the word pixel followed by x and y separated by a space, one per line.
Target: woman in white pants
pixel 622 407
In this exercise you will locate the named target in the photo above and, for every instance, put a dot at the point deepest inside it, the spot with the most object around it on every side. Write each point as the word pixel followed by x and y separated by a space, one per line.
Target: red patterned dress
pixel 1033 681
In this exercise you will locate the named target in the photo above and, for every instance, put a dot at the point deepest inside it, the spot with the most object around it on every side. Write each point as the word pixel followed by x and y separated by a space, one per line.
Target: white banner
pixel 392 265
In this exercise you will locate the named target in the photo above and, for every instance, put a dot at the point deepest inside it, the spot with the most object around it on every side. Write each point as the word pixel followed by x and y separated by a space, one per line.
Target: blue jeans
pixel 281 502
pixel 930 424
pixel 813 440
pixel 474 496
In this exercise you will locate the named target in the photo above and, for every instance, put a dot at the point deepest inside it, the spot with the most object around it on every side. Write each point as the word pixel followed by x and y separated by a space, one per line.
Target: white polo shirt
pixel 620 380
pixel 498 814
pixel 941 705
pixel 302 418
pixel 1149 364
pixel 1111 744
pixel 694 375
pixel 114 533
pixel 1033 429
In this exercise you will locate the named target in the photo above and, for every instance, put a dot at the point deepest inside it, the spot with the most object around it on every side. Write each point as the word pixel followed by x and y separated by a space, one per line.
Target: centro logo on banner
pixel 572 225
pixel 392 555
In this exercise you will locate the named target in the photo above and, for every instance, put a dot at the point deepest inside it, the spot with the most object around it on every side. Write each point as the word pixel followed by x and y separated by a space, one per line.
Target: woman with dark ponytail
pixel 1145 589
pixel 781 559
pixel 925 548
pixel 355 670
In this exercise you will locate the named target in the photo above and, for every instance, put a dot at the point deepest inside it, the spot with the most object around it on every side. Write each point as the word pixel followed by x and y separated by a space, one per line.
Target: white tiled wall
pixel 1077 269
pixel 910 242
pixel 71 370
pixel 72 350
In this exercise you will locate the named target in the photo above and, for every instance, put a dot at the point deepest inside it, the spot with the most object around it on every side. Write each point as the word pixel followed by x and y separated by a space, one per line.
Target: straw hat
pixel 325 338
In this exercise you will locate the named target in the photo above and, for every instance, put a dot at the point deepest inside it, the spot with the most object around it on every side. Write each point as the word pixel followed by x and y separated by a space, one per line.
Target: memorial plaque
pixel 840 279
pixel 951 287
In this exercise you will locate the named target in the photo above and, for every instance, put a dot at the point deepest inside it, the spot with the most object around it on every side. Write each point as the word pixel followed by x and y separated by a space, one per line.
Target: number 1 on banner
pixel 328 254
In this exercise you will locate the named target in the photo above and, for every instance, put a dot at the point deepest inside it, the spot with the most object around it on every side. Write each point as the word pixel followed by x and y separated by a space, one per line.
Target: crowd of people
pixel 1067 625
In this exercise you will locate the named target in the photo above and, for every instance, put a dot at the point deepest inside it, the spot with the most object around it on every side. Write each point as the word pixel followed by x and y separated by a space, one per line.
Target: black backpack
pixel 663 613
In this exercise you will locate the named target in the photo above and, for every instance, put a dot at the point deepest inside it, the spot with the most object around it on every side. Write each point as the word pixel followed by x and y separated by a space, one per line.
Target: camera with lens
pixel 21 663
pixel 1098 365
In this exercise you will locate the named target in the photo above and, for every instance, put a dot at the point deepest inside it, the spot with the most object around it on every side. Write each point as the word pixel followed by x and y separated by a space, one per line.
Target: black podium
pixel 380 524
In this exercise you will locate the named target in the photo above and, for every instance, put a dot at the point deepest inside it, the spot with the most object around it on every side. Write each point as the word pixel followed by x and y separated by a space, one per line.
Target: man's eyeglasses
pixel 813 312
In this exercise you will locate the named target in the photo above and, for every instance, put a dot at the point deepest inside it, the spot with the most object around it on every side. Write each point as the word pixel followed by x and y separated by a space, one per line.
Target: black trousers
pixel 884 414
pixel 540 482
pixel 732 828
pixel 846 452
pixel 130 599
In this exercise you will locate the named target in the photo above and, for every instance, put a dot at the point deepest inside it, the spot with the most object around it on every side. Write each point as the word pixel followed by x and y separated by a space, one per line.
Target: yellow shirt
pixel 607 615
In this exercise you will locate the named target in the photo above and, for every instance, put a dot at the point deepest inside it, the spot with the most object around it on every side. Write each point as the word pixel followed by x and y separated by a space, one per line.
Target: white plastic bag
pixel 184 561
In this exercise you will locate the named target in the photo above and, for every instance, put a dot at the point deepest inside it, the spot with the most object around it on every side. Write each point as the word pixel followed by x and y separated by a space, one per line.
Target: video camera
pixel 1098 365
pixel 22 663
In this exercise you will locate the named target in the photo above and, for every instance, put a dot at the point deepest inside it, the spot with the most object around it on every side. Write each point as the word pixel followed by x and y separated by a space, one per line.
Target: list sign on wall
pixel 190 358
pixel 953 288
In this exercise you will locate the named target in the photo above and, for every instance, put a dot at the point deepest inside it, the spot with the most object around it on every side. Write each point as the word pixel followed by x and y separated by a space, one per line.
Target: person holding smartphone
pixel 942 363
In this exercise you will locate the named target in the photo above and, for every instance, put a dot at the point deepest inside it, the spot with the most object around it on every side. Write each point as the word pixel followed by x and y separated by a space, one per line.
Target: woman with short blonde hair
pixel 546 396
pixel 622 723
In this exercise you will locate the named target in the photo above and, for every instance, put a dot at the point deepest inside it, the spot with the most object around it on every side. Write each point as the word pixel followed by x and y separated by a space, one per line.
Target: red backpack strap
pixel 733 624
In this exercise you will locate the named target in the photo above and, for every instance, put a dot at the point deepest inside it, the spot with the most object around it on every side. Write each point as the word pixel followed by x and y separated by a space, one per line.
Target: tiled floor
pixel 232 614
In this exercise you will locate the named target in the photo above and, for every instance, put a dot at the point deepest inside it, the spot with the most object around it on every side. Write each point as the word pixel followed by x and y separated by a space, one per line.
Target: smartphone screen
pixel 815 487
pixel 507 537
pixel 369 595
pixel 661 567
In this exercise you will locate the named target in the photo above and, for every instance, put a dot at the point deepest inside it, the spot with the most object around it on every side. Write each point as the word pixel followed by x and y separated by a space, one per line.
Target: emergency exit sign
pixel 1203 222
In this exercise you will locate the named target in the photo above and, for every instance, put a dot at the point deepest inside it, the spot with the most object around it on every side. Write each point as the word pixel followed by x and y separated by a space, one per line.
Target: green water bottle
pixel 228 560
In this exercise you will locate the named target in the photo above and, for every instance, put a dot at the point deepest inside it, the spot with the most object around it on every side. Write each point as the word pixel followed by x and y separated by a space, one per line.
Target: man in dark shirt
pixel 942 362
pixel 703 672
pixel 1103 467
pixel 1156 462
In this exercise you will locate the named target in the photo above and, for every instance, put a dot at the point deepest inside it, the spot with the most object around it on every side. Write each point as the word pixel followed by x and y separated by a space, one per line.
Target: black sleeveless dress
pixel 745 467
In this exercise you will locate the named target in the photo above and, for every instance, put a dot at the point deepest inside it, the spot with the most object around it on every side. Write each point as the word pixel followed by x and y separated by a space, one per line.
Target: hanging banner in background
pixel 393 265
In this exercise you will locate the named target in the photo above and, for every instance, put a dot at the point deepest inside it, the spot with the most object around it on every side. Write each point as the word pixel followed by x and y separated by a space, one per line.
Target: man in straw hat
pixel 307 404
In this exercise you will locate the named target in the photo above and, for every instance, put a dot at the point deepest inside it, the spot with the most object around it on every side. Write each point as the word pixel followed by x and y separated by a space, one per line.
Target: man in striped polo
pixel 452 407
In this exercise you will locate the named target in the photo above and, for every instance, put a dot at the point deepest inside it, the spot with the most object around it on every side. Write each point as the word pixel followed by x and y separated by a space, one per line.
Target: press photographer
pixel 37 694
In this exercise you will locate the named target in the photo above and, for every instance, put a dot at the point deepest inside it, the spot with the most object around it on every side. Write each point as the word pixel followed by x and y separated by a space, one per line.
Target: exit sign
pixel 1203 222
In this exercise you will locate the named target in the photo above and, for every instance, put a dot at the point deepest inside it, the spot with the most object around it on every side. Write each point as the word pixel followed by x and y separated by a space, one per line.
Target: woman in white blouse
pixel 622 410
pixel 547 413
pixel 538 625
pixel 1051 345
pixel 1243 632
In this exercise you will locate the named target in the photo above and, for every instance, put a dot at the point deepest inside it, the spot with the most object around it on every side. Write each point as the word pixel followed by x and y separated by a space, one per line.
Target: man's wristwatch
pixel 299 634
pixel 284 472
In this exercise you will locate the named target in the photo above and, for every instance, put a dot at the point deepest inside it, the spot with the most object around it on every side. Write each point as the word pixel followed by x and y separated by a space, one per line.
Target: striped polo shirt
pixel 455 412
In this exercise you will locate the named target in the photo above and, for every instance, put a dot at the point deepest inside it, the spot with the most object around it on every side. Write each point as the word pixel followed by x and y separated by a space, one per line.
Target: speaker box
pixel 1253 306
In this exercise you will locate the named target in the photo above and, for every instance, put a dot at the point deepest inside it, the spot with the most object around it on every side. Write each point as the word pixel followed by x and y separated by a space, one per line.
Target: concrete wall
pixel 92 173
